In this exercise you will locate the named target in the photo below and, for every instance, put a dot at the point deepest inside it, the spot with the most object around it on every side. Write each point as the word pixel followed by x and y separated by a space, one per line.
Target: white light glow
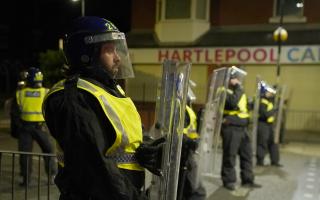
pixel 299 5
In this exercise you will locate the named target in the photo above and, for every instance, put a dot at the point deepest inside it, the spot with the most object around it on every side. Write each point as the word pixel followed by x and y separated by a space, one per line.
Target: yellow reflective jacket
pixel 125 119
pixel 269 105
pixel 191 129
pixel 30 102
pixel 242 112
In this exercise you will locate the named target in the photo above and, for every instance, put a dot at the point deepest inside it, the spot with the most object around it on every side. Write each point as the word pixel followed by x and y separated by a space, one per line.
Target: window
pixel 181 21
pixel 201 7
pixel 291 10
pixel 178 9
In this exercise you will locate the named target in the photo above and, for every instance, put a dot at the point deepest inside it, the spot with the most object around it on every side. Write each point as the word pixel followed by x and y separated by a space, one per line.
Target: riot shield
pixel 279 102
pixel 255 116
pixel 170 112
pixel 211 120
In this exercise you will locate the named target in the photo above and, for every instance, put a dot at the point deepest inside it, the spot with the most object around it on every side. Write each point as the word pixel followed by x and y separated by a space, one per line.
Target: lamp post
pixel 280 35
pixel 82 7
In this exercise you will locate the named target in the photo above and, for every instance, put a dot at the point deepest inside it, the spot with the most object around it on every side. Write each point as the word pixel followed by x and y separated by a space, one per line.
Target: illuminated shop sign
pixel 230 55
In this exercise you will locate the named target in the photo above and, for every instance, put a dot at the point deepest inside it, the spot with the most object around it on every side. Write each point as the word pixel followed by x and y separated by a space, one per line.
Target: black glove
pixel 188 143
pixel 149 155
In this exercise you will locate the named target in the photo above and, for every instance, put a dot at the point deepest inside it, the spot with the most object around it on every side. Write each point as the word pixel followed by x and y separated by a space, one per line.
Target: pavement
pixel 298 179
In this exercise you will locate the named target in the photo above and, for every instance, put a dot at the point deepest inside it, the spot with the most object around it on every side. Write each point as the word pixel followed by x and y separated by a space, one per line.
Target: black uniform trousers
pixel 235 141
pixel 187 189
pixel 265 144
pixel 136 180
pixel 29 132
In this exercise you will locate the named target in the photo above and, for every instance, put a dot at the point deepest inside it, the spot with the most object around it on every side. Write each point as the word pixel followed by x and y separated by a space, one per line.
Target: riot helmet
pixel 236 76
pixel 238 73
pixel 34 77
pixel 266 90
pixel 88 37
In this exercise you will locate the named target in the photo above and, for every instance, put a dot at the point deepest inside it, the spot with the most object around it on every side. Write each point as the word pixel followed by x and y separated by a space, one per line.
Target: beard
pixel 113 71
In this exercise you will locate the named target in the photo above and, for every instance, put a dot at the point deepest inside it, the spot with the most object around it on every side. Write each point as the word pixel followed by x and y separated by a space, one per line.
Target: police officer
pixel 265 137
pixel 30 124
pixel 97 127
pixel 188 166
pixel 235 139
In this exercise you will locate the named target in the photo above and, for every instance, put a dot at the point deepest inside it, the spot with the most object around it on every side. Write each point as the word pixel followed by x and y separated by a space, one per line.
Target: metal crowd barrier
pixel 305 120
pixel 9 177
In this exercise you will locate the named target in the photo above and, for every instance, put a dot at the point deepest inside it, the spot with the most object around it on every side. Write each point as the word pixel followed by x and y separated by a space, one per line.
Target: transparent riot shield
pixel 255 116
pixel 210 125
pixel 170 112
pixel 279 102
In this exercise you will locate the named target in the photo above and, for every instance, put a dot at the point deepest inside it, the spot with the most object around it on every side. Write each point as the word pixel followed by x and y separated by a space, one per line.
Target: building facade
pixel 216 33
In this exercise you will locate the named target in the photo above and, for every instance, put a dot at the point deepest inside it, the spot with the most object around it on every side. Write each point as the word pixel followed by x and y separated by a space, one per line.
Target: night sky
pixel 28 27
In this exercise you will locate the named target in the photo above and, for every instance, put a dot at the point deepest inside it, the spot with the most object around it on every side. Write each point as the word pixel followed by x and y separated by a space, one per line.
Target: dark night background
pixel 33 26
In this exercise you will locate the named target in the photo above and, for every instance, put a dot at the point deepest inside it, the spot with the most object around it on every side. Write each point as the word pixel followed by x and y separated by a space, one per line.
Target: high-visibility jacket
pixel 191 129
pixel 269 105
pixel 30 102
pixel 125 119
pixel 242 111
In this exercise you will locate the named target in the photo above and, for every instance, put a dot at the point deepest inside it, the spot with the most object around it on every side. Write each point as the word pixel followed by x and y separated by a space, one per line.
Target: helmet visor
pixel 237 73
pixel 267 88
pixel 271 90
pixel 121 49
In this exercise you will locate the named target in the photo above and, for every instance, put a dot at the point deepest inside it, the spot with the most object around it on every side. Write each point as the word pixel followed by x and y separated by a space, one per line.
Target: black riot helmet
pixel 82 45
pixel 34 77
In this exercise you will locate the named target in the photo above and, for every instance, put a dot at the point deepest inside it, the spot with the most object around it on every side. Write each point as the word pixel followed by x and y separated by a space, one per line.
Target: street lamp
pixel 82 7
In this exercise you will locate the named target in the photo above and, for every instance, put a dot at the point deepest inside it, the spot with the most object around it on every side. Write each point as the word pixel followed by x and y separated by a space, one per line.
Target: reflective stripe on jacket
pixel 124 118
pixel 191 129
pixel 30 102
pixel 269 105
pixel 242 112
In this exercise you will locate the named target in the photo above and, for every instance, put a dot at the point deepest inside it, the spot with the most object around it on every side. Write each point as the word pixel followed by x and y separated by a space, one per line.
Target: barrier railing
pixel 40 185
pixel 303 120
